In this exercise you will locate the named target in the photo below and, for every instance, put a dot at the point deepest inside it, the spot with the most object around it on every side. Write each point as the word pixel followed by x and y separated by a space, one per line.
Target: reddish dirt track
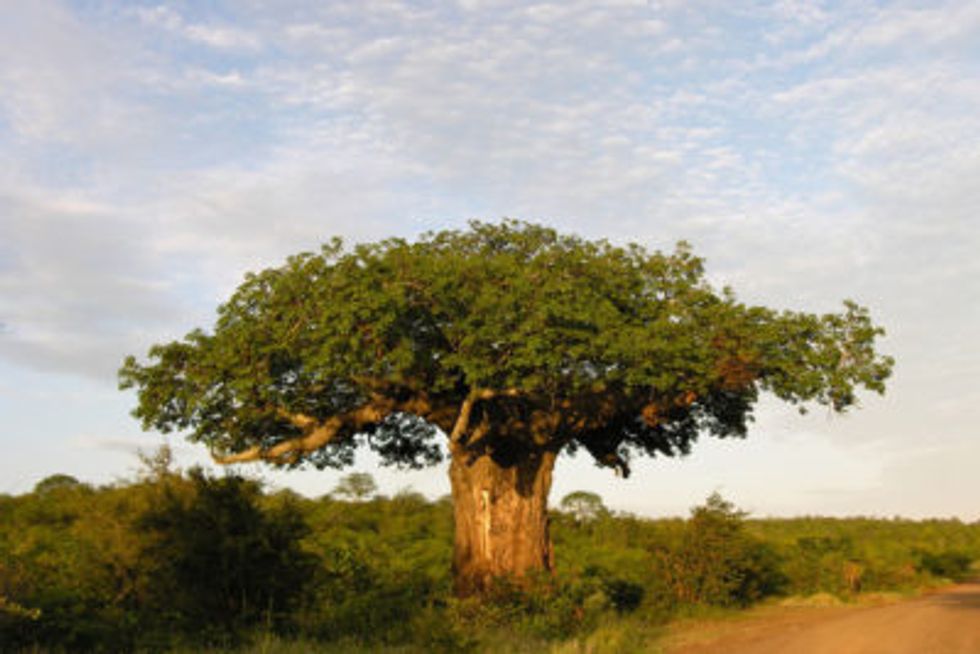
pixel 946 622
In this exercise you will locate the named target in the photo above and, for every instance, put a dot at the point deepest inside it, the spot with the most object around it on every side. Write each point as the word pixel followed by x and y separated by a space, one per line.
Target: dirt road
pixel 947 622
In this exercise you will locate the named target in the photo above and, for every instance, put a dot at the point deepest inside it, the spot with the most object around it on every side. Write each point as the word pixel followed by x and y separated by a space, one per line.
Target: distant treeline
pixel 186 560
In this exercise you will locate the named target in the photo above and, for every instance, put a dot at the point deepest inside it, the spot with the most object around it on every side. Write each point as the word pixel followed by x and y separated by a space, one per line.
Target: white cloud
pixel 74 293
pixel 59 79
pixel 945 24
pixel 220 37
pixel 232 79
pixel 214 36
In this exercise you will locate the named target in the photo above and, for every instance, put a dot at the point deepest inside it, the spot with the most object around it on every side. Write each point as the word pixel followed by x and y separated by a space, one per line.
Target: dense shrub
pixel 222 564
pixel 949 565
pixel 168 558
pixel 716 562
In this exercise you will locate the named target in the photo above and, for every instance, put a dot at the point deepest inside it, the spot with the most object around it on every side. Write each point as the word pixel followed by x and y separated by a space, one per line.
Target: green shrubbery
pixel 192 561
pixel 221 563
pixel 171 558
pixel 716 562
pixel 949 565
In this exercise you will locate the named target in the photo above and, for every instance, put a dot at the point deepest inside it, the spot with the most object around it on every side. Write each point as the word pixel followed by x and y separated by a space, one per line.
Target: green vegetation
pixel 186 562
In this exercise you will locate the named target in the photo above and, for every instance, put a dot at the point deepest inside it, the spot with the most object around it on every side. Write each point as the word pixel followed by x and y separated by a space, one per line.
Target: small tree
pixel 513 341
pixel 584 506
pixel 357 486
pixel 157 464
pixel 717 562
pixel 55 481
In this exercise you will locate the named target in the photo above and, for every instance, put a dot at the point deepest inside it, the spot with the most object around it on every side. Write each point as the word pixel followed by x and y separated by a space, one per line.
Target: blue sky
pixel 152 153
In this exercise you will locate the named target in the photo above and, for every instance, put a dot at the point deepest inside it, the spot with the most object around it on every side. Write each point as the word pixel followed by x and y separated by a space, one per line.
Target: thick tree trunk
pixel 501 512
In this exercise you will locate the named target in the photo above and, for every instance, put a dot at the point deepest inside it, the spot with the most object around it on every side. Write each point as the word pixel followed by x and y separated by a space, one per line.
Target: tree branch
pixel 466 408
pixel 318 434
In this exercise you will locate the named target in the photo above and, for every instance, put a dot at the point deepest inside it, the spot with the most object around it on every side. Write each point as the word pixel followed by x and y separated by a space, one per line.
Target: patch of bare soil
pixel 945 622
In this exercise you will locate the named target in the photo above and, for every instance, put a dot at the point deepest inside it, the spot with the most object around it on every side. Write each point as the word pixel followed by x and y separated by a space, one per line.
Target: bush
pixel 221 564
pixel 717 563
pixel 547 607
pixel 946 565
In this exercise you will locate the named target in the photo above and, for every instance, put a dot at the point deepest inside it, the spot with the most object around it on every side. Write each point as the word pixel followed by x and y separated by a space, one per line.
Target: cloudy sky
pixel 152 153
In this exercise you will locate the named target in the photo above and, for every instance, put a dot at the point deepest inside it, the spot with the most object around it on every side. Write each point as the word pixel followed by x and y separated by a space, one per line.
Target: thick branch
pixel 318 434
pixel 466 408
pixel 463 421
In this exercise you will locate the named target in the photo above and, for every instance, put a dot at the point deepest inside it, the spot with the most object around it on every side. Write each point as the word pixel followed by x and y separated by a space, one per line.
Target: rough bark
pixel 501 512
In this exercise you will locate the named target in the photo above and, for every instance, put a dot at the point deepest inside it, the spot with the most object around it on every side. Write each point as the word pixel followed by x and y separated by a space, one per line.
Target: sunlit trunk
pixel 501 514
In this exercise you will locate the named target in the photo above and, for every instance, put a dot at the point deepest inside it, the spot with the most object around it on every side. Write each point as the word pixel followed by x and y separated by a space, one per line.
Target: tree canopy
pixel 503 336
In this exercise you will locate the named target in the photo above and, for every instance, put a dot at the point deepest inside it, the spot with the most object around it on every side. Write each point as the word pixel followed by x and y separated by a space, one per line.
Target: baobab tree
pixel 512 342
